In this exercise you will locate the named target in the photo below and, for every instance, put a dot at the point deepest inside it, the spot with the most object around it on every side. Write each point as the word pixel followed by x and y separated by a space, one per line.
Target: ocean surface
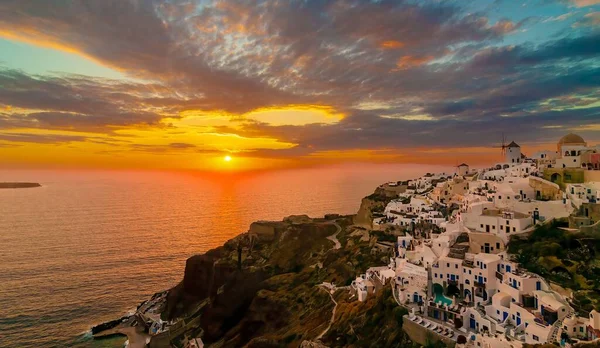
pixel 89 246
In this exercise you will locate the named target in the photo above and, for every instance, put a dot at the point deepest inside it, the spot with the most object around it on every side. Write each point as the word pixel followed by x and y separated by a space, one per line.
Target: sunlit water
pixel 87 247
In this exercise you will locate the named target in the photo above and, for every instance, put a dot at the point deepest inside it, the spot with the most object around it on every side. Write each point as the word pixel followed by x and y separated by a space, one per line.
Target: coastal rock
pixel 369 205
pixel 15 185
pixel 298 219
pixel 266 230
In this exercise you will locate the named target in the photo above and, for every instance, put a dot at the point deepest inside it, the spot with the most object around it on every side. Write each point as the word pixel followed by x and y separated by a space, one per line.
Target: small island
pixel 16 185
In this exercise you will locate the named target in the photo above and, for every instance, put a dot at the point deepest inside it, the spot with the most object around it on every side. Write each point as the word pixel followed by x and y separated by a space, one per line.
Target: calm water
pixel 89 246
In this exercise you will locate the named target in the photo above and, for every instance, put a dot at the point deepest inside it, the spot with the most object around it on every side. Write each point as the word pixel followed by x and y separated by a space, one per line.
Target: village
pixel 451 269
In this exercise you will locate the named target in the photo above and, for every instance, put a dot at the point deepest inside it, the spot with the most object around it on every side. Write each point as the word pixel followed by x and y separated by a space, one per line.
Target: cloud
pixel 585 3
pixel 591 19
pixel 395 74
pixel 40 138
pixel 407 62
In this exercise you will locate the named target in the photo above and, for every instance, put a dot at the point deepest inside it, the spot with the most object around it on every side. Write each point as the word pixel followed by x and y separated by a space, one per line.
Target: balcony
pixel 468 263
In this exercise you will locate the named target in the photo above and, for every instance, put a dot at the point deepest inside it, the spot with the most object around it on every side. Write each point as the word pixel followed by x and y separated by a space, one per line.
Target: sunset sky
pixel 174 84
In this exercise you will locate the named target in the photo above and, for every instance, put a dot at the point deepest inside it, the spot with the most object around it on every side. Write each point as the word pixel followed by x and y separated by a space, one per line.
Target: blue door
pixel 472 323
pixel 507 268
pixel 452 277
pixel 504 316
pixel 518 321
pixel 416 297
pixel 480 280
pixel 538 285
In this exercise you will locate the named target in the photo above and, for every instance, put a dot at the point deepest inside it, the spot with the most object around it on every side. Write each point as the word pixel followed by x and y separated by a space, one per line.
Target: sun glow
pixel 227 158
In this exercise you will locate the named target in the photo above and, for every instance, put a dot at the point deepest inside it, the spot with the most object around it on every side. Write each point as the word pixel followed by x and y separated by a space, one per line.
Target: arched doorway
pixel 555 178
pixel 468 297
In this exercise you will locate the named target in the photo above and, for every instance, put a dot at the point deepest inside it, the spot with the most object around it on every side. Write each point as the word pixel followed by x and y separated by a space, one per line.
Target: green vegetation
pixel 568 259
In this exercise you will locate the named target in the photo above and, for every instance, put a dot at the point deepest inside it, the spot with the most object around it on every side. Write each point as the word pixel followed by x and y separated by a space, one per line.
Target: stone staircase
pixel 557 325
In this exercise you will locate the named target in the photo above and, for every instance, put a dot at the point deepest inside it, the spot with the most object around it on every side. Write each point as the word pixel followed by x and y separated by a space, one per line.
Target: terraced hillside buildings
pixel 452 269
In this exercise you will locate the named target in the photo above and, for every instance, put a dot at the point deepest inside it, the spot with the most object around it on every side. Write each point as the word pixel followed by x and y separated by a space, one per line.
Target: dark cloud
pixel 438 74
pixel 40 138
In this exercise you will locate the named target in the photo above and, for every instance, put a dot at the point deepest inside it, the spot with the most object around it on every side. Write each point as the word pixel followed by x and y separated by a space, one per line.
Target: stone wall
pixel 544 189
pixel 563 176
pixel 591 175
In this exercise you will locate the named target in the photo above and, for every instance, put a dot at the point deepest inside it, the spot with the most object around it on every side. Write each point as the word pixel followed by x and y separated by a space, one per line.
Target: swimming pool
pixel 438 292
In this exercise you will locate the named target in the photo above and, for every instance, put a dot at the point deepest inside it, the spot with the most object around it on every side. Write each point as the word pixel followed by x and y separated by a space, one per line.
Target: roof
pixel 463 165
pixel 539 330
pixel 571 139
pixel 513 144
pixel 487 257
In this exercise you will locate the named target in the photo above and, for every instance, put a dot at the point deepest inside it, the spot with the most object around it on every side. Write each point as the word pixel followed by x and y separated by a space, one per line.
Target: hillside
pixel 569 259
pixel 261 289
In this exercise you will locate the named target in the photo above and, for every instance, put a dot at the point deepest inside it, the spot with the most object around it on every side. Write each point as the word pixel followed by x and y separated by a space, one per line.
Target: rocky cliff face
pixel 372 204
pixel 261 289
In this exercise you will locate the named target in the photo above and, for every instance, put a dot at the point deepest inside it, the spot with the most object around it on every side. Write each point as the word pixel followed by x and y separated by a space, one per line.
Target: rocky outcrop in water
pixel 15 185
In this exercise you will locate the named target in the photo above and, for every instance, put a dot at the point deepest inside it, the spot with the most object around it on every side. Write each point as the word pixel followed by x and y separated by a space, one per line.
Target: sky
pixel 180 84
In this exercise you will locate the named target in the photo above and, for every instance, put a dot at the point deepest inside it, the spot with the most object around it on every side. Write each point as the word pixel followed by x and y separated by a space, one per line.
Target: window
pixel 581 329
pixel 497 246
pixel 447 264
pixel 481 225
pixel 493 227
pixel 535 338
pixel 514 229
pixel 435 275
pixel 456 266
pixel 501 227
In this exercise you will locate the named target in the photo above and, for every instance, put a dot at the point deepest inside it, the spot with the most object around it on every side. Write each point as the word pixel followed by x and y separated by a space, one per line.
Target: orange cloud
pixel 407 62
pixel 585 3
pixel 391 44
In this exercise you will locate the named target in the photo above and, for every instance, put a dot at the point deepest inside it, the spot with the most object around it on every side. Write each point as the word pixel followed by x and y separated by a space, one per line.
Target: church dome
pixel 571 139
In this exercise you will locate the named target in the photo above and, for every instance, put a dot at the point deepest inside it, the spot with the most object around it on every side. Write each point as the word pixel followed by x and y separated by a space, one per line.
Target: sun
pixel 227 158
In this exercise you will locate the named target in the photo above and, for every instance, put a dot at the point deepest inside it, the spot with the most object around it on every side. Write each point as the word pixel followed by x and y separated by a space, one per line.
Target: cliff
pixel 261 288
pixel 373 204
pixel 15 185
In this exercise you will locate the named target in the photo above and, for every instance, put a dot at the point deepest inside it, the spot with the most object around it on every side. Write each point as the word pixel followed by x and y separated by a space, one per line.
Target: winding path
pixel 333 237
pixel 332 314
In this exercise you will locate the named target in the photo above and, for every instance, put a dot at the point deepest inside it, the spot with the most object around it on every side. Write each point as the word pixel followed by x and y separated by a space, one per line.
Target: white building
pixel 502 223
pixel 513 153
pixel 569 150
pixel 463 169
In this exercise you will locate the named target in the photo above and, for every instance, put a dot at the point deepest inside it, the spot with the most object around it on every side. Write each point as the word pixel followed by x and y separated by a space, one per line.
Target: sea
pixel 89 246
